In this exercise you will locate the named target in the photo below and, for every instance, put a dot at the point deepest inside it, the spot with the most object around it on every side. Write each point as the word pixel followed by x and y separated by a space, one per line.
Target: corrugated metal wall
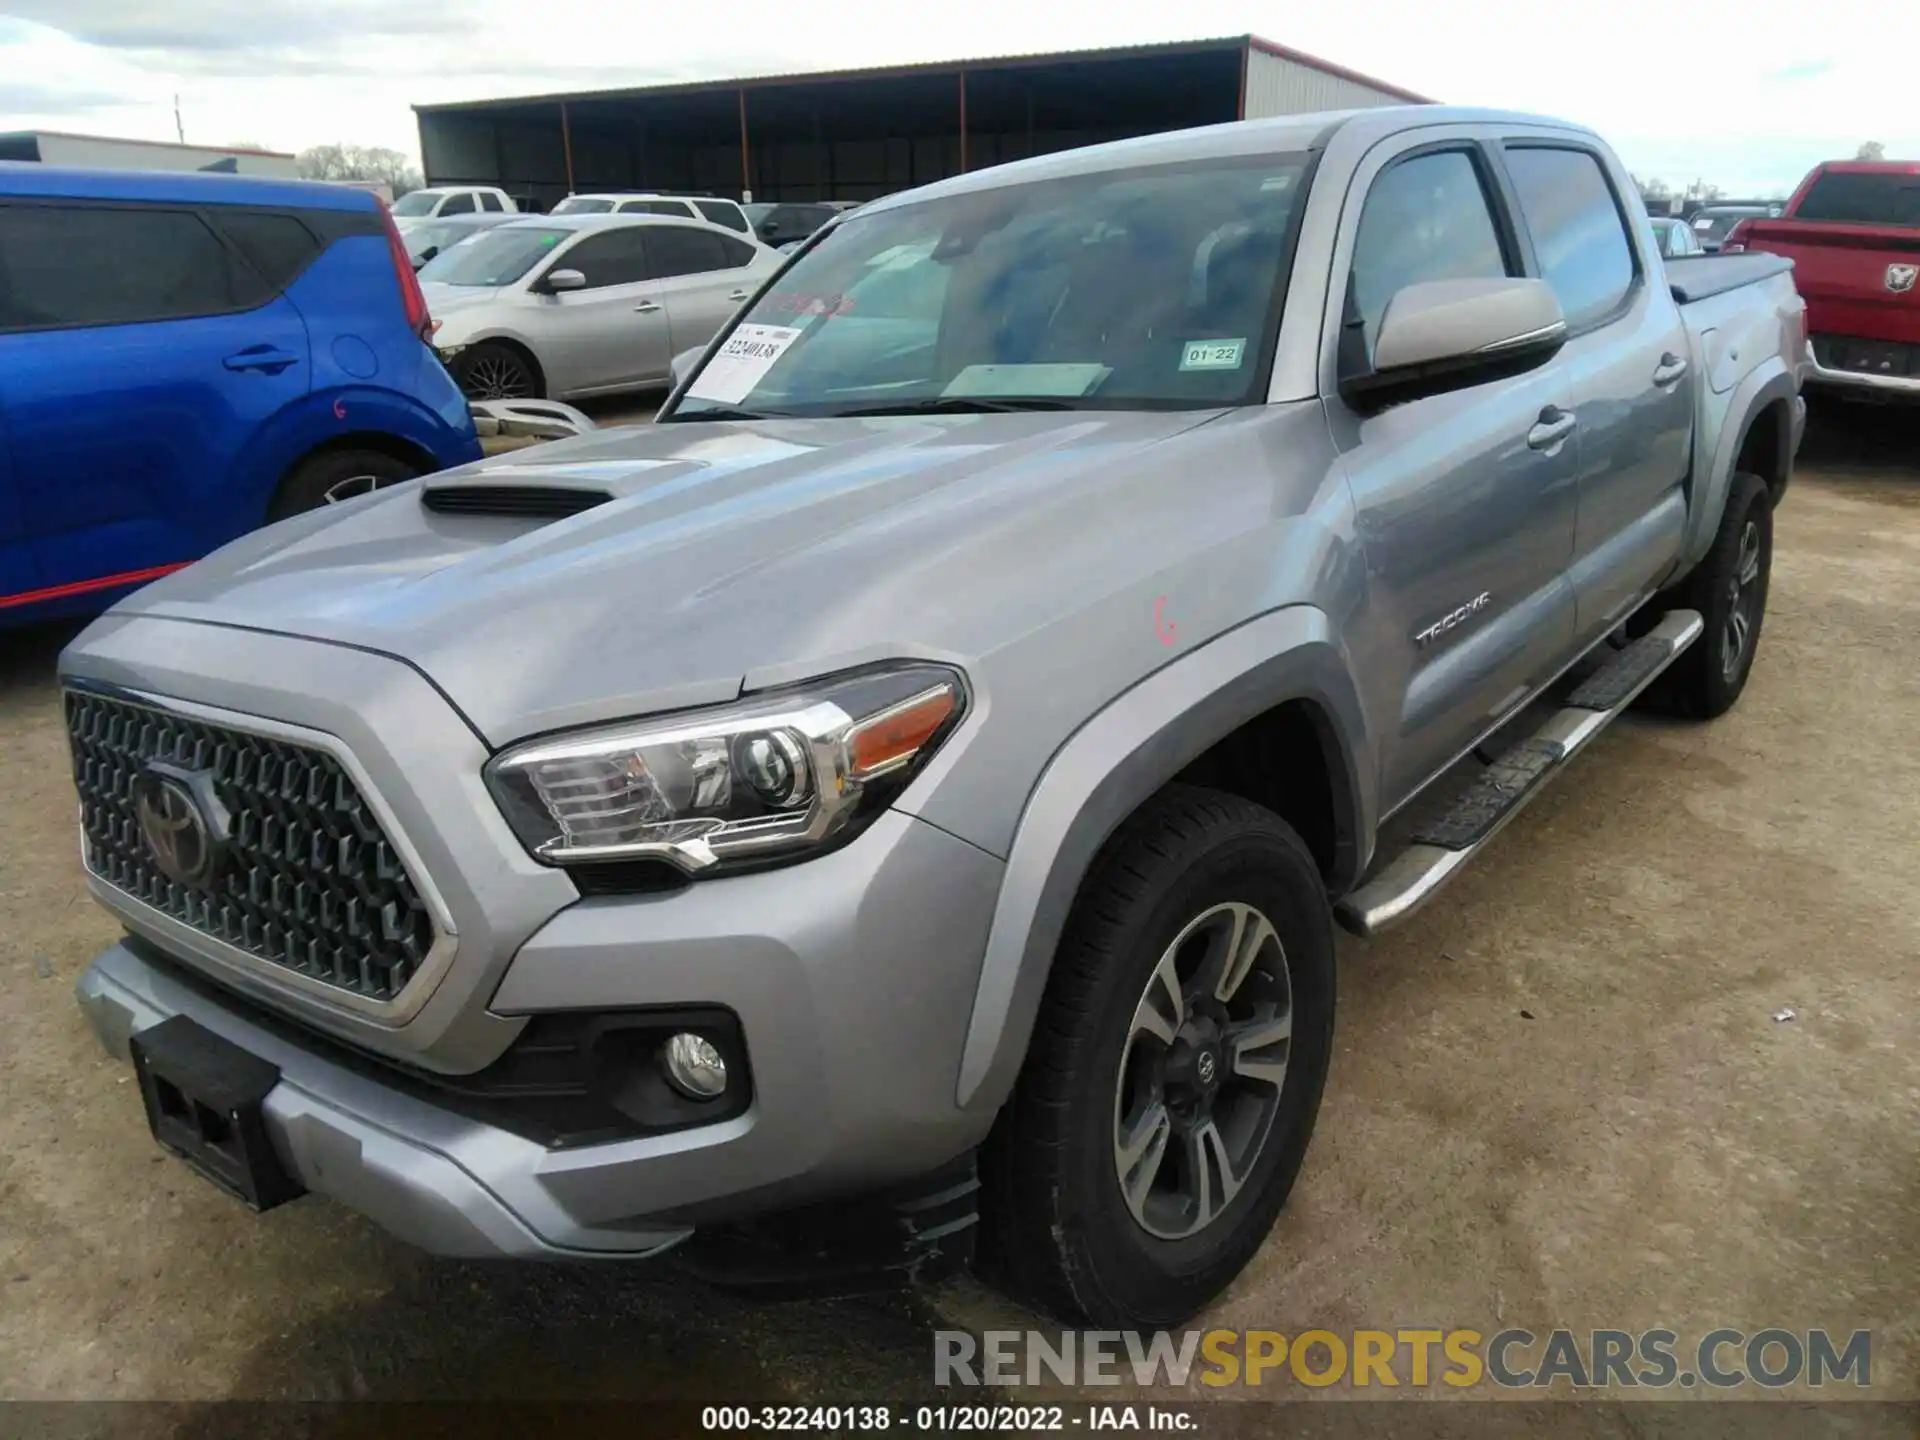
pixel 1279 86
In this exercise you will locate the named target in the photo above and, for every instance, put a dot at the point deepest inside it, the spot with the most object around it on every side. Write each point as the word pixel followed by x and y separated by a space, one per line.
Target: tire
pixel 334 475
pixel 1729 589
pixel 1059 1231
pixel 493 371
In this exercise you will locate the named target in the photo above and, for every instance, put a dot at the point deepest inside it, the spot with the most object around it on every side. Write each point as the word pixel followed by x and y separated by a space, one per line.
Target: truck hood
pixel 724 555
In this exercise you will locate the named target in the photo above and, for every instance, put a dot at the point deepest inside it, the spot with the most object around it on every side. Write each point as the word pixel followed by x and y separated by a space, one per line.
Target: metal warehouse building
pixel 858 134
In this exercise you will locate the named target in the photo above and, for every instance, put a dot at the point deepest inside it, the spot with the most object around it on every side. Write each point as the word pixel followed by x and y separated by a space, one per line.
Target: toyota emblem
pixel 182 844
pixel 1206 1066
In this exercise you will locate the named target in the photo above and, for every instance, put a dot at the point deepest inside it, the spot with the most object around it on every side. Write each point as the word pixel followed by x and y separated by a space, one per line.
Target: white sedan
pixel 566 306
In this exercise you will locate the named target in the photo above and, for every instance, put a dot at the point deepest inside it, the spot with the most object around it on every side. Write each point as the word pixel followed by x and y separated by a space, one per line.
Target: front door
pixel 611 335
pixel 1464 502
pixel 1626 367
pixel 19 580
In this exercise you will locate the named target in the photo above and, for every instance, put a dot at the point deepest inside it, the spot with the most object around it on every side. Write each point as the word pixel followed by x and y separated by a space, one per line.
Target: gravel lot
pixel 1649 1147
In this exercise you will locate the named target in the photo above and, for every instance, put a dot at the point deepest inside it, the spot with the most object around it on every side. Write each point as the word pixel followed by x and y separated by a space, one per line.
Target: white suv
pixel 417 205
pixel 713 209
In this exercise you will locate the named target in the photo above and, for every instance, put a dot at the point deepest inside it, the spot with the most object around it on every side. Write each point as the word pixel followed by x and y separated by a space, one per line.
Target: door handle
pixel 645 307
pixel 1553 426
pixel 1670 369
pixel 738 294
pixel 261 357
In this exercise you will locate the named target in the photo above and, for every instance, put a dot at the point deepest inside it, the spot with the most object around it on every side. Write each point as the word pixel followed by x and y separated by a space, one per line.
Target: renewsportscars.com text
pixel 1412 1358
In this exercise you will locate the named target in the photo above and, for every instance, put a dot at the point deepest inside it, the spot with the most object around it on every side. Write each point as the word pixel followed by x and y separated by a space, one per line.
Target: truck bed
pixel 1700 277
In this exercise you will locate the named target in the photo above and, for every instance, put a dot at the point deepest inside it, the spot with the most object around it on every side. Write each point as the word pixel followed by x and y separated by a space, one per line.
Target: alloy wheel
pixel 1202 1071
pixel 1742 592
pixel 498 377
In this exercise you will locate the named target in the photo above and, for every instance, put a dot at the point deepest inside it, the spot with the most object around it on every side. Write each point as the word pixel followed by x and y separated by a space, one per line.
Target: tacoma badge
pixel 1452 620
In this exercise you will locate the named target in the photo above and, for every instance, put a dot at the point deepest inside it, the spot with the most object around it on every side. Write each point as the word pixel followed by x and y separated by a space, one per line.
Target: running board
pixel 1442 847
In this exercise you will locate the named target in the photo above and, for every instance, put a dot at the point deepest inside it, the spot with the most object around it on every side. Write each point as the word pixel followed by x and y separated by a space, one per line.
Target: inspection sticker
pixel 729 377
pixel 1212 354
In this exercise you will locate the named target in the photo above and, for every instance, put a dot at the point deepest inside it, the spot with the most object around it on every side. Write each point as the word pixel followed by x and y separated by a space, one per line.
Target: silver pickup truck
pixel 894 811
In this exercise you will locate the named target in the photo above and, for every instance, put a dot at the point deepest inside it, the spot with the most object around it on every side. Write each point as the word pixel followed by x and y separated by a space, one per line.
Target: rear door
pixel 611 334
pixel 1625 363
pixel 701 276
pixel 19 580
pixel 139 355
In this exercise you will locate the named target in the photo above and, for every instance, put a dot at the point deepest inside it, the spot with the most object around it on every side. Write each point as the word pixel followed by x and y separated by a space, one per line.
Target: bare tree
pixel 360 162
pixel 1872 150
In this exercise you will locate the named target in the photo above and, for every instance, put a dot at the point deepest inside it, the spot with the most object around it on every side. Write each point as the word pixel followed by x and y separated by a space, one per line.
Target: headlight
pixel 769 776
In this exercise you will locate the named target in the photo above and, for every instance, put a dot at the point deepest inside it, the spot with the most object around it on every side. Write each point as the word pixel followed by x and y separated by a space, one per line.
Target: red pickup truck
pixel 1852 230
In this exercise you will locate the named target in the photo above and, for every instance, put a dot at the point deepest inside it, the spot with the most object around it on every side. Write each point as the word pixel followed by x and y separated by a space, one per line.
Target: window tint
pixel 491 202
pixel 458 205
pixel 74 265
pixel 734 253
pixel 1856 198
pixel 615 258
pixel 1578 234
pixel 1425 219
pixel 278 247
pixel 679 209
pixel 677 250
pixel 722 213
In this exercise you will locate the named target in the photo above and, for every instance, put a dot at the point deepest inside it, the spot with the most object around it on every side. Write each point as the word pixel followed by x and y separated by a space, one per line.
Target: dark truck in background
pixel 1852 230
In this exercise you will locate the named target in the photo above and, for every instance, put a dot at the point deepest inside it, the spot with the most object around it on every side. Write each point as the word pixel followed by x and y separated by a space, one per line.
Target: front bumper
pixel 851 977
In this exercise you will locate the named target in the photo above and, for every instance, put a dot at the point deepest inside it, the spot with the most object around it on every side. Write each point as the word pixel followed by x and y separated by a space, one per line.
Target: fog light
pixel 694 1066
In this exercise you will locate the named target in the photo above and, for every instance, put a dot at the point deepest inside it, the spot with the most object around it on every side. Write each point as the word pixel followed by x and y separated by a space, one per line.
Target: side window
pixel 278 247
pixel 679 250
pixel 617 257
pixel 722 213
pixel 461 204
pixel 734 253
pixel 491 202
pixel 66 265
pixel 1578 232
pixel 1426 218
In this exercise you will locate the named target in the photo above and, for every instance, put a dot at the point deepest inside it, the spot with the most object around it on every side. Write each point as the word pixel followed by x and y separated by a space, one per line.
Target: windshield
pixel 1855 197
pixel 493 257
pixel 1147 288
pixel 437 236
pixel 416 202
pixel 582 205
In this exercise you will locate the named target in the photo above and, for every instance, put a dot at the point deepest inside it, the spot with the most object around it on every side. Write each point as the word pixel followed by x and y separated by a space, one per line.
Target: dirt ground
pixel 1560 1098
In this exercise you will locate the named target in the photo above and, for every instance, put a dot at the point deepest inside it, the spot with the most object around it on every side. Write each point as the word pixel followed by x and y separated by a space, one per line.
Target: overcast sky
pixel 1743 93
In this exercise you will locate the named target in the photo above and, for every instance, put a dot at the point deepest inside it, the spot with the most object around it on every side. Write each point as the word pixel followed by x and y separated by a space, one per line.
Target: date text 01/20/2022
pixel 1018 1419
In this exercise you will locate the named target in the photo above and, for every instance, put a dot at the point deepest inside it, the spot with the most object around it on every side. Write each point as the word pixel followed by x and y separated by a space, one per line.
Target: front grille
pixel 1867 357
pixel 310 881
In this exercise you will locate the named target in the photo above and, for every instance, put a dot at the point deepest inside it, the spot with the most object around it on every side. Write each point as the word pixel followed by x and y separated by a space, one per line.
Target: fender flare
pixel 1108 768
pixel 1769 382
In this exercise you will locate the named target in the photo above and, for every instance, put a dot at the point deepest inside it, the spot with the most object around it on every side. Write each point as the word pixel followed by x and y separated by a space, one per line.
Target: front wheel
pixel 1175 1070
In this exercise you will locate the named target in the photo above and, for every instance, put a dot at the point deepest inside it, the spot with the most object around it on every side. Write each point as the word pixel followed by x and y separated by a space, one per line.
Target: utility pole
pixel 179 130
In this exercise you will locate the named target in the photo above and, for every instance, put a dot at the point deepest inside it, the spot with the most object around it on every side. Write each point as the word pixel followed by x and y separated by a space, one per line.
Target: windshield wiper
pixel 718 412
pixel 962 405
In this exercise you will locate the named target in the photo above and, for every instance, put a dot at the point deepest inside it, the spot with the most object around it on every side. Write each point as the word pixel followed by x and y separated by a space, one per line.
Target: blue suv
pixel 185 357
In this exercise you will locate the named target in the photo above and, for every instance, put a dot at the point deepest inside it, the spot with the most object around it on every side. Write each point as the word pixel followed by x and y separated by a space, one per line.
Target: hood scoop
pixel 518 502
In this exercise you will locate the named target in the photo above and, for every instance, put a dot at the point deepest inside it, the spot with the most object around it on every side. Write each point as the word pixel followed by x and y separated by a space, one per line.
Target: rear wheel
pixel 492 371
pixel 1175 1070
pixel 336 475
pixel 1729 589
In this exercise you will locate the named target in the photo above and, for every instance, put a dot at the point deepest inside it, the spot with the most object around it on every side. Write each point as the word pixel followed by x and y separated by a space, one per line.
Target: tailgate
pixel 1857 283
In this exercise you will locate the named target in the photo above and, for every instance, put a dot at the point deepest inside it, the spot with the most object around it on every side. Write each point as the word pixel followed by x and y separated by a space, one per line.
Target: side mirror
pixel 425 255
pixel 1442 335
pixel 768 230
pixel 559 280
pixel 682 365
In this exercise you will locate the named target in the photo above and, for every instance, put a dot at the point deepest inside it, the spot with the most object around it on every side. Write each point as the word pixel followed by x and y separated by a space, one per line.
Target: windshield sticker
pixel 1213 354
pixel 741 363
pixel 1066 380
